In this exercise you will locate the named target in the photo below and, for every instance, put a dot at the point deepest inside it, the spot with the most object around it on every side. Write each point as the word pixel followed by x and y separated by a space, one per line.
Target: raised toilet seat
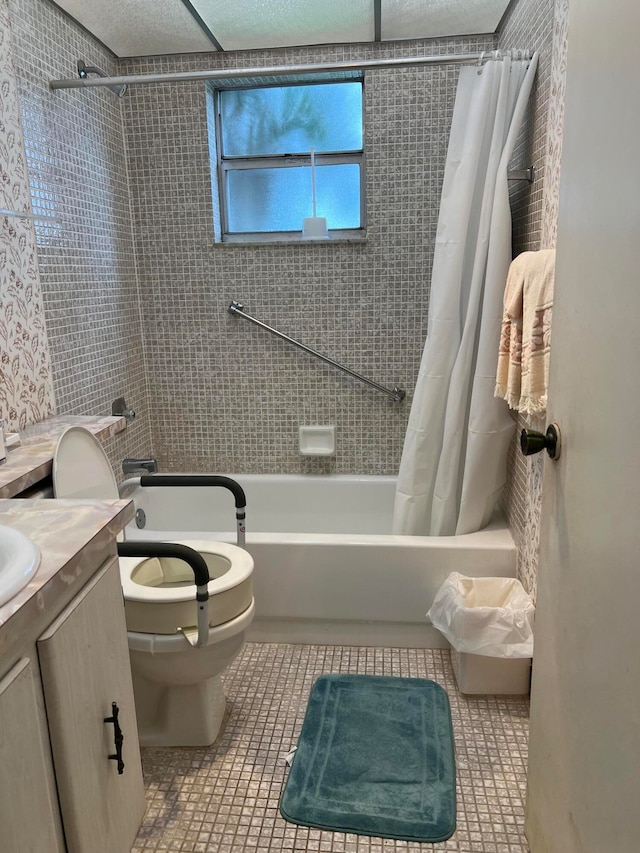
pixel 178 689
pixel 159 594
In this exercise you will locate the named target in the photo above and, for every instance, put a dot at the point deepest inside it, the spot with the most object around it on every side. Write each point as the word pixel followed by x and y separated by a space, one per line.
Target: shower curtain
pixel 454 458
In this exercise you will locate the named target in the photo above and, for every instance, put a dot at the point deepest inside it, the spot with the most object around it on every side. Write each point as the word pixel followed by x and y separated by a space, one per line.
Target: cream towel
pixel 523 358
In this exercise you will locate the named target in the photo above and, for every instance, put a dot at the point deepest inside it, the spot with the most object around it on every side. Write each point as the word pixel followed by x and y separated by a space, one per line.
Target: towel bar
pixel 527 175
pixel 20 214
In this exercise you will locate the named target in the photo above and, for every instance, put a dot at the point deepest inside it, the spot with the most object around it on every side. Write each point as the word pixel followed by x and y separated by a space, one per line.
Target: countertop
pixel 75 538
pixel 33 459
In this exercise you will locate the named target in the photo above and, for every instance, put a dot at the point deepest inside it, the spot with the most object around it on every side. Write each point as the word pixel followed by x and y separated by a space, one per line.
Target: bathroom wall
pixel 77 169
pixel 220 394
pixel 540 25
pixel 226 396
pixel 26 386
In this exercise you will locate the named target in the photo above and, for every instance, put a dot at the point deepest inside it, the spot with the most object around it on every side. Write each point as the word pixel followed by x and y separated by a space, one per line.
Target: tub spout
pixel 130 466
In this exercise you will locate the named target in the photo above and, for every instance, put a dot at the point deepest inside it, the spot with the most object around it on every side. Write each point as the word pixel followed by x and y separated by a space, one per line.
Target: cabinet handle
pixel 118 737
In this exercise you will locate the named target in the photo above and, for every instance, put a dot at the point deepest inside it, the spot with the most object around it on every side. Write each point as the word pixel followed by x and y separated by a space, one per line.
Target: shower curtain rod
pixel 283 70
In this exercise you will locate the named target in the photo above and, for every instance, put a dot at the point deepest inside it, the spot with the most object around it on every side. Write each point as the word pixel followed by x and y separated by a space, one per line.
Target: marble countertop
pixel 32 460
pixel 74 537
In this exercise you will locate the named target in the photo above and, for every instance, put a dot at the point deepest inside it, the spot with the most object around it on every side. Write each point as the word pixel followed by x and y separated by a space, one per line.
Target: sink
pixel 19 561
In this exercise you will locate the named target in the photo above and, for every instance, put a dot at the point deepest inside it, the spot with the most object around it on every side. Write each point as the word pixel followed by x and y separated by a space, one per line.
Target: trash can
pixel 489 623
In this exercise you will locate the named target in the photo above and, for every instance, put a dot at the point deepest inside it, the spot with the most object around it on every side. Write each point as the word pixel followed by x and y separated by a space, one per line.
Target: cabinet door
pixel 84 662
pixel 29 818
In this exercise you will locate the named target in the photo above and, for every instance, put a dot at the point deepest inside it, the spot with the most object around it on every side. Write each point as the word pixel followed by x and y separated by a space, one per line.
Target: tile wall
pixel 77 168
pixel 540 25
pixel 225 396
pixel 220 394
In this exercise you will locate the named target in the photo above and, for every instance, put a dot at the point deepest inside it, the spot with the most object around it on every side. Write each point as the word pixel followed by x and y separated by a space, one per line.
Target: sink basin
pixel 19 561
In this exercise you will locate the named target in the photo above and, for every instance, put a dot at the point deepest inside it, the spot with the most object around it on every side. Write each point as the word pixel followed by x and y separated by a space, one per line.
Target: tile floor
pixel 225 798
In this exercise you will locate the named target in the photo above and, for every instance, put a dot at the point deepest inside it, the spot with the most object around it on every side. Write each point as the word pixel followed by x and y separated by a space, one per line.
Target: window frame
pixel 284 161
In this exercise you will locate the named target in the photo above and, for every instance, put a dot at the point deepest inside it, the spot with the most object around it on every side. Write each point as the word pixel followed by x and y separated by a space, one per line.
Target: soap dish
pixel 317 440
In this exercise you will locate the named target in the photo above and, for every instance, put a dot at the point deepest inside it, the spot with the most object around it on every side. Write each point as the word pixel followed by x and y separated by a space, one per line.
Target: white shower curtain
pixel 454 459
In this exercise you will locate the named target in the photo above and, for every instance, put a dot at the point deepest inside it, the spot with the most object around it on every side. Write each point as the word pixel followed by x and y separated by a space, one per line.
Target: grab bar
pixel 396 394
pixel 190 480
pixel 20 214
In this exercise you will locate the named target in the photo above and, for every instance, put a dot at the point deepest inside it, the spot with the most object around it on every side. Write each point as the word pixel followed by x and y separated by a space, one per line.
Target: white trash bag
pixel 485 616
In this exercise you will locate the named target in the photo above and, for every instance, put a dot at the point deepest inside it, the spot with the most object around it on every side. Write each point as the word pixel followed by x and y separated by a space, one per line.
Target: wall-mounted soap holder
pixel 316 440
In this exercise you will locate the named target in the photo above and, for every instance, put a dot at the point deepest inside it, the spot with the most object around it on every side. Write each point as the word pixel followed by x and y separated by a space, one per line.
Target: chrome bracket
pixel 119 409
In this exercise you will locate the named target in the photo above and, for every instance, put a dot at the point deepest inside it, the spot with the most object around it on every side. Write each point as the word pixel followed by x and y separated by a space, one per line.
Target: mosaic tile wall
pixel 26 385
pixel 540 25
pixel 223 395
pixel 77 170
pixel 226 396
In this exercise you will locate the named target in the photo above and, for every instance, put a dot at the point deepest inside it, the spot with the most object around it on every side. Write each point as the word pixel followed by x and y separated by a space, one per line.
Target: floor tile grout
pixel 224 798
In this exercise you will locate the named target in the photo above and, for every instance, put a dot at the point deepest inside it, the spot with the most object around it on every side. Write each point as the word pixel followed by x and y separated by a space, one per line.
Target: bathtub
pixel 327 568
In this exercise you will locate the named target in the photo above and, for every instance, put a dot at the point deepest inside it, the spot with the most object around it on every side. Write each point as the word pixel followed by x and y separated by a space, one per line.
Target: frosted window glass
pixel 244 24
pixel 279 199
pixel 408 19
pixel 291 119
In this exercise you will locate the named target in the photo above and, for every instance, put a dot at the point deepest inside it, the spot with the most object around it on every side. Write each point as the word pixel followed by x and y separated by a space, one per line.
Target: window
pixel 263 139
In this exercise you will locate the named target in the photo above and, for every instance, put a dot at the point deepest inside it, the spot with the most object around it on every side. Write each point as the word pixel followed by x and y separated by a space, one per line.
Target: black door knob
pixel 532 441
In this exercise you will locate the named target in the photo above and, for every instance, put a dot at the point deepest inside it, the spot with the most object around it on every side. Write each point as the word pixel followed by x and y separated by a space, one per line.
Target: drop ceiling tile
pixel 404 19
pixel 140 28
pixel 246 24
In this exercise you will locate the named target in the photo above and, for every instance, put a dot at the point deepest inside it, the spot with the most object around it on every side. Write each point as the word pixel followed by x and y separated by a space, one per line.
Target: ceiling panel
pixel 140 28
pixel 244 24
pixel 151 27
pixel 404 19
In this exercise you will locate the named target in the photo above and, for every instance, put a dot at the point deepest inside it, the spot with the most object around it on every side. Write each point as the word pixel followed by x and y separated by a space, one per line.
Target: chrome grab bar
pixel 20 214
pixel 396 394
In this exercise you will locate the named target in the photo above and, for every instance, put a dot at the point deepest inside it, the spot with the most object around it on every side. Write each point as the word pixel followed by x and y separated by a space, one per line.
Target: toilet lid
pixel 81 468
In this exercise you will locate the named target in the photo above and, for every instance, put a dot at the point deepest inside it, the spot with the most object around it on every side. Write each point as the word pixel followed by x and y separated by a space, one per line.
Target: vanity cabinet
pixel 29 818
pixel 86 676
pixel 59 789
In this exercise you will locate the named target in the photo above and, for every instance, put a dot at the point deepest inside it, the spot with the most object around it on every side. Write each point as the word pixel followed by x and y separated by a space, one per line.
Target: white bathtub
pixel 327 569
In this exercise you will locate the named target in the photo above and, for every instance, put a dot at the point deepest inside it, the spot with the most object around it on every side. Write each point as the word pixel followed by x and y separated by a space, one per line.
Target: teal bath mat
pixel 375 757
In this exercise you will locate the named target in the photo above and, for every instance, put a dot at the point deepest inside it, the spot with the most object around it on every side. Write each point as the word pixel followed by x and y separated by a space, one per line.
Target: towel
pixel 523 358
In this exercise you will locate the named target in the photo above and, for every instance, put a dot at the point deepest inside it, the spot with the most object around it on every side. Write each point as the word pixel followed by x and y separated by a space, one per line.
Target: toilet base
pixel 178 714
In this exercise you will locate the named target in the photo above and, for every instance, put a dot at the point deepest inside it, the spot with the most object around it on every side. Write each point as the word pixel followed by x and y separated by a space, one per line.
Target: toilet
pixel 178 687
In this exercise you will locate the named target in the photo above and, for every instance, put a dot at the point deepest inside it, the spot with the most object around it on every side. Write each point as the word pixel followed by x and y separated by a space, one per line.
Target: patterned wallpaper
pixel 555 124
pixel 540 25
pixel 26 389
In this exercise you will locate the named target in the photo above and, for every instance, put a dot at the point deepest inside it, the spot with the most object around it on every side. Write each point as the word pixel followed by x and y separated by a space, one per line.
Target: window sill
pixel 279 240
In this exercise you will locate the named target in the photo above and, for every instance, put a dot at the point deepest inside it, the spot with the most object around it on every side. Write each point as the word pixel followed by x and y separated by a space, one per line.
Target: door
pixel 584 776
pixel 84 661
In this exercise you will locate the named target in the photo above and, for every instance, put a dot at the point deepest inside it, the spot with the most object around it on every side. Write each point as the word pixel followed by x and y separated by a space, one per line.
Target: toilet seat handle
pixel 206 480
pixel 190 556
